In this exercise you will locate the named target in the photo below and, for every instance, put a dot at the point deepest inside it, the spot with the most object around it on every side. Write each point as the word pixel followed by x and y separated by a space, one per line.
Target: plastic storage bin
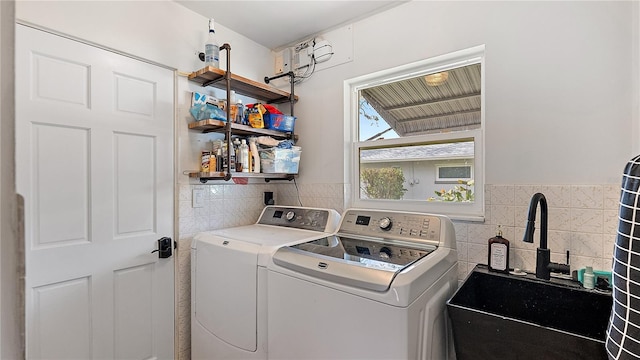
pixel 279 122
pixel 280 161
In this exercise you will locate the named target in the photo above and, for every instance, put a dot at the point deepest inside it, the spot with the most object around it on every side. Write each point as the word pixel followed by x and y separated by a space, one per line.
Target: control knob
pixel 385 253
pixel 290 216
pixel 385 223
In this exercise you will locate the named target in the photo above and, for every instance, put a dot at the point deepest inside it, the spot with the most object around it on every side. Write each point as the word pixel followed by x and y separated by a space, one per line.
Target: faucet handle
pixel 559 268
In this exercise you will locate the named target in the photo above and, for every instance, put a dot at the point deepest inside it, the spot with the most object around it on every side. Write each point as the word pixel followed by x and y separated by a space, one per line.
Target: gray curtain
pixel 623 334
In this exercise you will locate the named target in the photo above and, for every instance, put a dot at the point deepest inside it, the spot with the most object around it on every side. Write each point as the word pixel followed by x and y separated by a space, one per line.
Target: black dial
pixel 385 252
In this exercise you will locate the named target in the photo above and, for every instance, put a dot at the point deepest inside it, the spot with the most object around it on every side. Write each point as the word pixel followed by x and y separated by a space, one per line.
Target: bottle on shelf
pixel 239 112
pixel 218 160
pixel 255 157
pixel 211 48
pixel 244 155
pixel 232 155
pixel 236 149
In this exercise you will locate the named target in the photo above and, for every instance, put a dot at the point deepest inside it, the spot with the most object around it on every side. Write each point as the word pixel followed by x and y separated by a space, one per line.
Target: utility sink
pixel 502 316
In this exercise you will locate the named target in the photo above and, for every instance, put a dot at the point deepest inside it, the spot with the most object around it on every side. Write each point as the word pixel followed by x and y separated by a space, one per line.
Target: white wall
pixel 10 259
pixel 559 85
pixel 158 31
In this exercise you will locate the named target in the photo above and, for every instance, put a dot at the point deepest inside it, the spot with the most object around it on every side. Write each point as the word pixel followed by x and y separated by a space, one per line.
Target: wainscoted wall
pixel 224 206
pixel 582 219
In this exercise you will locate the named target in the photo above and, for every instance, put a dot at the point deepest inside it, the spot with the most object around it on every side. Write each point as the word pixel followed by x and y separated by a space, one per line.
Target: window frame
pixel 474 211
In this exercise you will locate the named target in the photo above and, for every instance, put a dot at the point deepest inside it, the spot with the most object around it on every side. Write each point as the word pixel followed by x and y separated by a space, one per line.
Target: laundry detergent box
pixel 200 98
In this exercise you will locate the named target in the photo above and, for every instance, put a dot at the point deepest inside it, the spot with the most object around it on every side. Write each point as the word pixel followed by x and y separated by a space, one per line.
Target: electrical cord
pixel 308 72
pixel 311 68
pixel 297 191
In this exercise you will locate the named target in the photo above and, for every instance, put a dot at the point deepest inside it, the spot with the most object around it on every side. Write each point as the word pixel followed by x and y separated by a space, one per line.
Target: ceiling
pixel 277 24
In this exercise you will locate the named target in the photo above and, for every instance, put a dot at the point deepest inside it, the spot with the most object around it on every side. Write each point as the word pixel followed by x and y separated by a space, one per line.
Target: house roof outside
pixel 446 151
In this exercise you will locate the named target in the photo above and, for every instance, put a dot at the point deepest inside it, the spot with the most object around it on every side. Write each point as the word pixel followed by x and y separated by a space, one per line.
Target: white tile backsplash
pixel 502 195
pixel 587 197
pixel 582 218
pixel 557 195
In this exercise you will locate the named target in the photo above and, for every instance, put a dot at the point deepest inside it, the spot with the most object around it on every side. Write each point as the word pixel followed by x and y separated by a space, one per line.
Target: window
pixel 416 136
pixel 453 173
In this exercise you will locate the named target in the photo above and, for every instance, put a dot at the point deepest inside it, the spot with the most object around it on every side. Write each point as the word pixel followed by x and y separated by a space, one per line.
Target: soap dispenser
pixel 498 260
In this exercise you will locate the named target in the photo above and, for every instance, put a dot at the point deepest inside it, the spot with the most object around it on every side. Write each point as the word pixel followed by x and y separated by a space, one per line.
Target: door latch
pixel 164 248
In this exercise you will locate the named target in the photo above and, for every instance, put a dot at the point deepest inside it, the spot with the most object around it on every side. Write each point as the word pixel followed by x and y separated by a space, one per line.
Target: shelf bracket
pixel 292 76
pixel 288 178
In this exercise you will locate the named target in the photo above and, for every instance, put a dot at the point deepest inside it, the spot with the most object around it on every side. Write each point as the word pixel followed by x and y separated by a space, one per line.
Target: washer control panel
pixel 391 225
pixel 295 217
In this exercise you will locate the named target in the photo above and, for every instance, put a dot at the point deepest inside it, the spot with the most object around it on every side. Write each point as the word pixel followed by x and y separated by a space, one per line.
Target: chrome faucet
pixel 544 266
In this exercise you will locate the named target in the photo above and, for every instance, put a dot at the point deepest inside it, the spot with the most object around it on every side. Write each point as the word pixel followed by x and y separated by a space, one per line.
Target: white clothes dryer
pixel 376 289
pixel 228 279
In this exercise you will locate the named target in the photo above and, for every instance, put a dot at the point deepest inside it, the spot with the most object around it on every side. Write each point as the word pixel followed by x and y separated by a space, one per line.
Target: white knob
pixel 385 223
pixel 290 215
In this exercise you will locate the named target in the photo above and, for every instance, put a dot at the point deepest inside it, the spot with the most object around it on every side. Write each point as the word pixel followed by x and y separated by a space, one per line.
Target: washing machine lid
pixel 351 260
pixel 264 235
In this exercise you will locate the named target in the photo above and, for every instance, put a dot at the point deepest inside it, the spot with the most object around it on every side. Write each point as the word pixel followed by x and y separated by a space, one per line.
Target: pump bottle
pixel 211 48
pixel 498 253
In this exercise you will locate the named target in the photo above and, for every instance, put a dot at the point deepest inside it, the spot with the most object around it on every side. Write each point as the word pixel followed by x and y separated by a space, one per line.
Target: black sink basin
pixel 499 316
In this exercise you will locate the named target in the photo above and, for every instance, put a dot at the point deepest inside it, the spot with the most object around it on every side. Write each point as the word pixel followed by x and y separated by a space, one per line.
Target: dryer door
pixel 225 289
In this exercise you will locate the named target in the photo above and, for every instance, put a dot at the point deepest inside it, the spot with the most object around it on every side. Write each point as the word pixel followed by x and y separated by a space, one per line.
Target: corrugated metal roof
pixel 411 107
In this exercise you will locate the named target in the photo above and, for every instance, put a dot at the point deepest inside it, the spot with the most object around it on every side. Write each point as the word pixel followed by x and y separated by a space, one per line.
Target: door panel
pixel 56 182
pixel 61 80
pixel 94 155
pixel 133 315
pixel 67 302
pixel 135 183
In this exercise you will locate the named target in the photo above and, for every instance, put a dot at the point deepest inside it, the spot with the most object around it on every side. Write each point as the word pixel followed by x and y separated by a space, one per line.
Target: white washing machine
pixel 228 279
pixel 374 290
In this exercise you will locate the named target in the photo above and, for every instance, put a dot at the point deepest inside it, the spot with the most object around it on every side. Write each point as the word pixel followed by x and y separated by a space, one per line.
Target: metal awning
pixel 411 107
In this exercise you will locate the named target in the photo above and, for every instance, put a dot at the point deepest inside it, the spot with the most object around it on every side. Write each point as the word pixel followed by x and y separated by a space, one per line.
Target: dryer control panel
pixel 299 218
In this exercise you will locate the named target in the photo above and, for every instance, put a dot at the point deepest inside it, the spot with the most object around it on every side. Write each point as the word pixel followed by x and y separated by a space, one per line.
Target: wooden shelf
pixel 211 125
pixel 211 76
pixel 205 176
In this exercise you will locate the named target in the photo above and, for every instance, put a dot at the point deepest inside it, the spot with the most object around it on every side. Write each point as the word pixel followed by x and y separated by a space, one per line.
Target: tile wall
pixel 224 206
pixel 582 219
pixel 228 206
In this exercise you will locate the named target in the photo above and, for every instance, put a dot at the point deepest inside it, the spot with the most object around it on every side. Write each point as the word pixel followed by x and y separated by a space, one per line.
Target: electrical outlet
pixel 197 200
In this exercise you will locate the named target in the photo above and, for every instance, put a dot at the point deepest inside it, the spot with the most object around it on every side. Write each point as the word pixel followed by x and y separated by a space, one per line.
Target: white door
pixel 94 154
